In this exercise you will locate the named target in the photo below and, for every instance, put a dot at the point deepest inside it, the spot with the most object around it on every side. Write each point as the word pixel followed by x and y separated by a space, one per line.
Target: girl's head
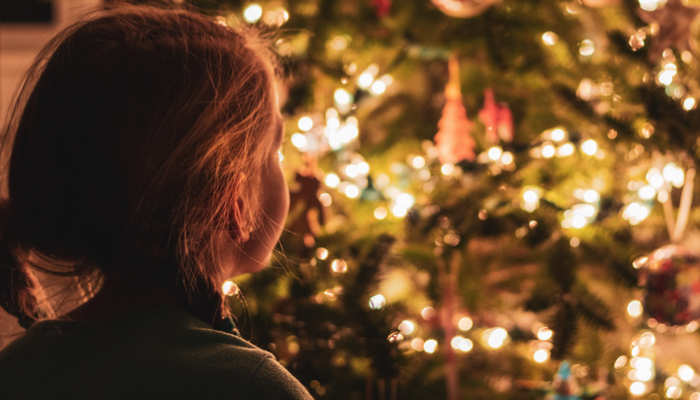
pixel 143 145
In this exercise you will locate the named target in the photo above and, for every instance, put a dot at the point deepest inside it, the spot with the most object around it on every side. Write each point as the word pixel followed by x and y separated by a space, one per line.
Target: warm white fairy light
pixel 339 266
pixel 465 323
pixel 351 171
pixel 686 372
pixel 530 196
pixel 550 38
pixel 655 178
pixel 646 192
pixel 674 392
pixel 299 141
pixel 650 5
pixel 252 13
pixel 544 333
pixel 495 153
pixel 229 288
pixel 548 150
pixel 430 346
pixel 634 308
pixel 591 196
pixel 565 150
pixel 557 134
pixel 665 77
pixel 378 87
pixel 332 180
pixel 352 191
pixel 507 158
pixel 377 301
pixel 638 388
pixel 647 340
pixel 586 48
pixel 589 147
pixel 418 162
pixel 325 199
pixel 305 123
pixel 466 345
pixel 321 253
pixel 342 97
pixel 380 213
pixel 541 355
pixel 456 342
pixel 399 211
pixel 620 362
pixel 428 313
pixel 417 344
pixel 365 80
pixel 447 169
pixel 636 213
pixel 407 327
pixel 405 200
pixel 694 396
pixel 495 337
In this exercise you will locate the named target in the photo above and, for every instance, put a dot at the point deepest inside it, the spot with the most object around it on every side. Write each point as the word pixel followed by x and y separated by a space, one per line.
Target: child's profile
pixel 141 160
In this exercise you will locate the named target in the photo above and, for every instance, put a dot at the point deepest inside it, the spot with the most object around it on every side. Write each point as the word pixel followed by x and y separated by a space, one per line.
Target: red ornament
pixel 463 8
pixel 453 141
pixel 497 118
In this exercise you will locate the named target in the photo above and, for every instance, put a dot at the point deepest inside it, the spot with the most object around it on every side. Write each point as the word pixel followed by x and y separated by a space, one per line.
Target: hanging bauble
pixel 453 141
pixel 599 3
pixel 671 280
pixel 463 8
pixel 497 119
pixel 674 20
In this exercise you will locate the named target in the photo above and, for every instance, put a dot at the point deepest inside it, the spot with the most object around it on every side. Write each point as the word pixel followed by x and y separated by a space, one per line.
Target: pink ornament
pixel 463 8
pixel 497 119
pixel 453 141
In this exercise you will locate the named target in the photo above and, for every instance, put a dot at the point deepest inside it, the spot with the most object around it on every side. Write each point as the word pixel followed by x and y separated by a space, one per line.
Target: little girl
pixel 141 160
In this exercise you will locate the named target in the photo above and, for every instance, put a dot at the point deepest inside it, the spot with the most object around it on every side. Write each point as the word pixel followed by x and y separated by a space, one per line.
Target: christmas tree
pixel 429 255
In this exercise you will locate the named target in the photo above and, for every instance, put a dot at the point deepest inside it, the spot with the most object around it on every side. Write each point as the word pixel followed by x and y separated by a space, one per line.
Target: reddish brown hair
pixel 139 134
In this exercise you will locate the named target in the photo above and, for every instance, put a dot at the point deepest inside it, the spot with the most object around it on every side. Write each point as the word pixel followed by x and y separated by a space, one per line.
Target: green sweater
pixel 161 353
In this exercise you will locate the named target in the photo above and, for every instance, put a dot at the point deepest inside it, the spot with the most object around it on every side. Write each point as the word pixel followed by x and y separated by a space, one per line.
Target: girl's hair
pixel 138 136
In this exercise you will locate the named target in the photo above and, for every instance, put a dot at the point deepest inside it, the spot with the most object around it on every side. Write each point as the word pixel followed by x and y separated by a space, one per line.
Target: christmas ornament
pixel 599 3
pixel 497 118
pixel 452 140
pixel 463 8
pixel 564 384
pixel 671 278
pixel 381 7
pixel 306 210
pixel 674 20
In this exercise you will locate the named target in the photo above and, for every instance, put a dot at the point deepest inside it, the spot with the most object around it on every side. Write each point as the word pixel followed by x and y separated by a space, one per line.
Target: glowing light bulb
pixel 548 151
pixel 305 123
pixel 590 147
pixel 418 162
pixel 550 38
pixel 686 372
pixel 417 344
pixel 428 313
pixel 339 267
pixel 252 13
pixel 544 333
pixel 447 169
pixel 591 196
pixel 655 178
pixel 541 355
pixel 380 213
pixel 634 308
pixel 365 80
pixel 558 134
pixel 342 97
pixel 466 345
pixel 430 346
pixel 399 211
pixel 407 327
pixel 646 192
pixel 689 103
pixel 405 200
pixel 565 150
pixel 530 196
pixel 456 342
pixel 332 180
pixel 495 153
pixel 377 301
pixel 378 87
pixel 465 323
pixel 351 170
pixel 299 141
pixel 229 288
pixel 507 158
pixel 321 253
pixel 620 362
pixel 586 48
pixel 638 388
pixel 352 191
